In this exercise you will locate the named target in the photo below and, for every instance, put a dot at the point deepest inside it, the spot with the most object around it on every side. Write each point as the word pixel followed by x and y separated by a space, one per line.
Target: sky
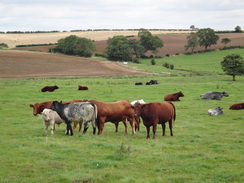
pixel 67 15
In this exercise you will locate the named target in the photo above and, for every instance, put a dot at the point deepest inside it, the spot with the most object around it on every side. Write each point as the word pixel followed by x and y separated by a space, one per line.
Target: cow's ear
pixel 31 105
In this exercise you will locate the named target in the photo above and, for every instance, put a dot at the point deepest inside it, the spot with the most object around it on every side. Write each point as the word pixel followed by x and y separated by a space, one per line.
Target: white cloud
pixel 29 15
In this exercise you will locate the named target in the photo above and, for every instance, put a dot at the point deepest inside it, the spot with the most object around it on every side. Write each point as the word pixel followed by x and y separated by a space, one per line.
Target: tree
pixel 74 45
pixel 233 65
pixel 192 41
pixel 137 48
pixel 225 41
pixel 207 37
pixel 238 28
pixel 119 49
pixel 149 42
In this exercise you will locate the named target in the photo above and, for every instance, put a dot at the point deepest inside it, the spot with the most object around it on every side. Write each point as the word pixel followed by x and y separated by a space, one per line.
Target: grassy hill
pixel 203 149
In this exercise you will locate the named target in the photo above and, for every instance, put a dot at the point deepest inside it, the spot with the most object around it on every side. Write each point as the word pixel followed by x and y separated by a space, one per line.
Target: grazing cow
pixel 237 106
pixel 137 118
pixel 114 112
pixel 77 112
pixel 173 96
pixel 152 82
pixel 82 87
pixel 215 112
pixel 49 88
pixel 50 117
pixel 214 95
pixel 140 83
pixel 156 113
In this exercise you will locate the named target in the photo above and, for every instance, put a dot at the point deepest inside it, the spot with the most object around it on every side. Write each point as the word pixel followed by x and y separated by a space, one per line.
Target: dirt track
pixel 25 64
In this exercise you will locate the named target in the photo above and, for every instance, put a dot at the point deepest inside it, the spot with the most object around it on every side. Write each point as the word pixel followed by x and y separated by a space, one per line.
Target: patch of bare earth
pixel 25 64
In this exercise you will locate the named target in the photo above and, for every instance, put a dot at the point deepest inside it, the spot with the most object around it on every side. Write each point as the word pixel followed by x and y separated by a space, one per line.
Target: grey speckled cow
pixel 214 95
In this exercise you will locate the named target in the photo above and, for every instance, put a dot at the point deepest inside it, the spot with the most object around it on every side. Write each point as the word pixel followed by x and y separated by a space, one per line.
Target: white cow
pixel 215 112
pixel 138 102
pixel 50 117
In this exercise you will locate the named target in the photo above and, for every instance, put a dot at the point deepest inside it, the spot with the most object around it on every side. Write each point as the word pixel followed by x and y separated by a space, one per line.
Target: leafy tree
pixel 137 48
pixel 192 41
pixel 233 65
pixel 119 49
pixel 74 45
pixel 207 37
pixel 149 42
pixel 238 29
pixel 225 41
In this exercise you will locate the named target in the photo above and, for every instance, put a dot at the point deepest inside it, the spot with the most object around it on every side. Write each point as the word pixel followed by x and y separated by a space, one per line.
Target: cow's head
pixel 56 87
pixel 181 94
pixel 225 94
pixel 37 108
pixel 138 108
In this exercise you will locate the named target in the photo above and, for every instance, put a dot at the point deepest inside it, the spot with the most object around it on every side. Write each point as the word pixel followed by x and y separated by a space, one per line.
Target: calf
pixel 140 83
pixel 76 112
pixel 214 95
pixel 50 117
pixel 49 88
pixel 173 96
pixel 137 118
pixel 82 87
pixel 237 106
pixel 152 82
pixel 156 113
pixel 215 112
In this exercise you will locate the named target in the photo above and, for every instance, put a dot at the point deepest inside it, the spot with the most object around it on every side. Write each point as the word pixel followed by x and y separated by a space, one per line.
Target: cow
pixel 156 113
pixel 114 112
pixel 215 112
pixel 50 117
pixel 214 95
pixel 152 82
pixel 39 107
pixel 237 106
pixel 76 112
pixel 49 88
pixel 137 118
pixel 82 87
pixel 140 83
pixel 173 96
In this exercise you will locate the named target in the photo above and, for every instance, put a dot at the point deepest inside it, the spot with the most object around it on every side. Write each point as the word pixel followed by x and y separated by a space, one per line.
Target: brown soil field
pixel 26 64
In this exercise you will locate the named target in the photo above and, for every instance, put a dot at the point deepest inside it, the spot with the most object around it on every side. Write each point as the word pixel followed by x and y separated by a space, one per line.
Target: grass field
pixel 203 149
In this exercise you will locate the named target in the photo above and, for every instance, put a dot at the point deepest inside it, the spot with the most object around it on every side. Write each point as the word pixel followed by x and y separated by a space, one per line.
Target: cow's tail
pixel 174 113
pixel 95 110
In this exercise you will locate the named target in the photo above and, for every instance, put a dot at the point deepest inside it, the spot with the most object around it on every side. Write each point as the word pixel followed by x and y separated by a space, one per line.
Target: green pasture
pixel 203 149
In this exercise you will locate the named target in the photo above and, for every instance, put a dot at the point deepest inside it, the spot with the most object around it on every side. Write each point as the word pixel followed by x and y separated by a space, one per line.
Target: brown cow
pixel 156 113
pixel 39 107
pixel 173 96
pixel 49 88
pixel 82 87
pixel 114 112
pixel 237 106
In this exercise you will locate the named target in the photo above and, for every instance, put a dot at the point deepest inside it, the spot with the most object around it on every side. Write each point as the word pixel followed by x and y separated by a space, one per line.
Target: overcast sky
pixel 66 15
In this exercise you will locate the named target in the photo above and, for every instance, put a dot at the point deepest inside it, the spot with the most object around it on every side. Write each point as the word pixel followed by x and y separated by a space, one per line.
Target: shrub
pixel 171 66
pixel 135 60
pixel 153 62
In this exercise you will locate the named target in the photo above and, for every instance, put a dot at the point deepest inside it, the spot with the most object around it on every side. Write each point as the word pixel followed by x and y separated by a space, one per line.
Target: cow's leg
pixel 116 126
pixel 163 128
pixel 154 129
pixel 52 127
pixel 80 126
pixel 69 129
pixel 125 124
pixel 148 132
pixel 100 125
pixel 170 127
pixel 75 125
pixel 132 123
pixel 94 126
pixel 86 126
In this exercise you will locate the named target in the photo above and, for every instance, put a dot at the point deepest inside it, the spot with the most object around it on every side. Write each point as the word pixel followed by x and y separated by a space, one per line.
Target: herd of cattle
pixel 98 113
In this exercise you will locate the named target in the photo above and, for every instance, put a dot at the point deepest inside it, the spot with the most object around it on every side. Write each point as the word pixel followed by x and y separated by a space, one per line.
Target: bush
pixel 153 62
pixel 171 66
pixel 166 65
pixel 3 46
pixel 135 60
